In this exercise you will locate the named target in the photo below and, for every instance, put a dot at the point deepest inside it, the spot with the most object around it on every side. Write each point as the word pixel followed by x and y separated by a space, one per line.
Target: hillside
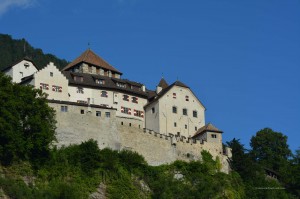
pixel 13 50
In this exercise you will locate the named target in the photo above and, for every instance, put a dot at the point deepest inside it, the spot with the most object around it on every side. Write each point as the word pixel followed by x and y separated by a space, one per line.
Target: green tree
pixel 27 123
pixel 270 149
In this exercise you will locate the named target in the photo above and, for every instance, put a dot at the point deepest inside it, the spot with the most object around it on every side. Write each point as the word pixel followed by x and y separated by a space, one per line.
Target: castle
pixel 92 101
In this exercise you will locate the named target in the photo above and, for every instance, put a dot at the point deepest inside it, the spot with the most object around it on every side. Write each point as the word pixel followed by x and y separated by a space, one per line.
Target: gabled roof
pixel 155 97
pixel 90 57
pixel 162 83
pixel 208 127
pixel 15 63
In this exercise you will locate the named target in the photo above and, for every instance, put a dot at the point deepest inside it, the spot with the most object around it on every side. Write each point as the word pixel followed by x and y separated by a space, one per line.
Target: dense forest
pixel 32 167
pixel 13 50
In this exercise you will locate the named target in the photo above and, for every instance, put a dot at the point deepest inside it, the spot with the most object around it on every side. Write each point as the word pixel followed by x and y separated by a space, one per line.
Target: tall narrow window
pixel 174 109
pixel 184 111
pixel 51 74
pixel 175 124
pixel 195 114
pixel 153 110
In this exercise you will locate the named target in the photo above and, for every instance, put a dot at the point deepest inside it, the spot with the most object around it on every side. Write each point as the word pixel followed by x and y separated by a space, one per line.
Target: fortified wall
pixel 80 122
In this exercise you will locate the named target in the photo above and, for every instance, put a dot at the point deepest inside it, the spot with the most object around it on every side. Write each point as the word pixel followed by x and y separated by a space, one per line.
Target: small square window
pixel 187 98
pixel 174 95
pixel 64 109
pixel 98 113
pixel 107 114
pixel 213 136
pixel 51 74
pixel 82 111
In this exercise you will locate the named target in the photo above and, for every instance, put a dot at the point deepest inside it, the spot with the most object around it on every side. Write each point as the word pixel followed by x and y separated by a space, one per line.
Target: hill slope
pixel 13 50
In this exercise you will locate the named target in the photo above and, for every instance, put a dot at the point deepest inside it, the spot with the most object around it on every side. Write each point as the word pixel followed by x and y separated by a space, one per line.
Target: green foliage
pixel 13 50
pixel 270 148
pixel 27 123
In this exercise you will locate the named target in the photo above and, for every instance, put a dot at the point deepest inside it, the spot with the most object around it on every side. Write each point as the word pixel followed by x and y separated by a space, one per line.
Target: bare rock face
pixel 100 193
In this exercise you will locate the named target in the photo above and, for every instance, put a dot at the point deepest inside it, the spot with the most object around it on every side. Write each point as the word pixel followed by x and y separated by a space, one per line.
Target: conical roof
pixel 162 83
pixel 90 57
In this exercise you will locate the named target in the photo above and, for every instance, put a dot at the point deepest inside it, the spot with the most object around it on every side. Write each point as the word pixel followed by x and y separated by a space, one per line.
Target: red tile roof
pixel 90 57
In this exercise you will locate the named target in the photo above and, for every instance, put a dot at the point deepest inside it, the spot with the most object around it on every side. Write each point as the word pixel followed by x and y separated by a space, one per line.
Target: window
pixel 82 111
pixel 80 90
pixel 195 128
pixel 178 134
pixel 44 86
pixel 134 100
pixel 78 79
pixel 184 111
pixel 174 109
pixel 21 73
pixel 174 95
pixel 51 74
pixel 125 97
pixel 153 110
pixel 100 81
pixel 122 123
pixel 98 113
pixel 107 114
pixel 195 114
pixel 104 94
pixel 126 110
pixel 213 136
pixel 138 113
pixel 56 88
pixel 129 124
pixel 175 124
pixel 186 98
pixel 121 85
pixel 64 109
pixel 185 126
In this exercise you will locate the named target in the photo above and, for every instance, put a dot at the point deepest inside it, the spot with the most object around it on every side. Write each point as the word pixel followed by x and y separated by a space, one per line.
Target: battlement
pixel 82 122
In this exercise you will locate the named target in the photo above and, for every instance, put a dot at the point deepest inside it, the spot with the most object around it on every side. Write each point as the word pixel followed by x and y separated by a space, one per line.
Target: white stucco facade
pixel 178 112
pixel 52 82
pixel 22 69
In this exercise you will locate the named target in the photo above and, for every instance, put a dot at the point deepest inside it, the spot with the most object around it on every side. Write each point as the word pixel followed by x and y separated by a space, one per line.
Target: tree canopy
pixel 27 123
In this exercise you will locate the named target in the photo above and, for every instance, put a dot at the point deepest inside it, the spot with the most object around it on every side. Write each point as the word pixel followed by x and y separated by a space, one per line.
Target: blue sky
pixel 241 58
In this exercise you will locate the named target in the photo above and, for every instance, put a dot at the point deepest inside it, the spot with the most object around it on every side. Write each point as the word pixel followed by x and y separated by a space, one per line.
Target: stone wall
pixel 73 127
